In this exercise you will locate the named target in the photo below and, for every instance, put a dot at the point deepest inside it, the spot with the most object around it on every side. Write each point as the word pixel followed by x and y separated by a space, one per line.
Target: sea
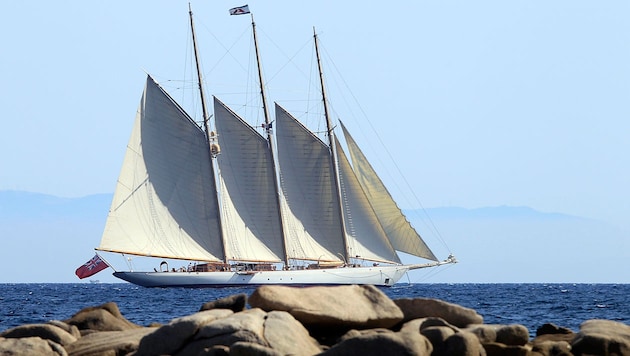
pixel 531 305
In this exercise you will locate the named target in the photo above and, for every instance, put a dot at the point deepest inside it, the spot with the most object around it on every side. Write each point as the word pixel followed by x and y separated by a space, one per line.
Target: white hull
pixel 380 276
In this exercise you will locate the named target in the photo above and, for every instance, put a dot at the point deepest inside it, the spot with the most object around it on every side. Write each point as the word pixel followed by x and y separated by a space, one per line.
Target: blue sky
pixel 486 103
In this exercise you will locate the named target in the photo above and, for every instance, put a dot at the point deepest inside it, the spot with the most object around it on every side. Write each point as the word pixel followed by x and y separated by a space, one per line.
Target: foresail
pixel 366 238
pixel 401 234
pixel 165 200
pixel 311 207
pixel 249 205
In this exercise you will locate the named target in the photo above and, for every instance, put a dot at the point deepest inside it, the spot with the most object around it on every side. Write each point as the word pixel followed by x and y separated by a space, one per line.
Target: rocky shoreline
pixel 339 320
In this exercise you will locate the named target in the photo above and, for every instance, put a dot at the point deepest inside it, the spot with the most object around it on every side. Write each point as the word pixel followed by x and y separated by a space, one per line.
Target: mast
pixel 269 132
pixel 333 149
pixel 206 118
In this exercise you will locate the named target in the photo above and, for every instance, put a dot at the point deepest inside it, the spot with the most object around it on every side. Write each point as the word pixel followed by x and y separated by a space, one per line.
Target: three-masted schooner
pixel 249 210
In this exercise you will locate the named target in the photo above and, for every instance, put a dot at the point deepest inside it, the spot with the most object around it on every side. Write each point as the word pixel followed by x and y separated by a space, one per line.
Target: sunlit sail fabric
pixel 399 231
pixel 366 238
pixel 165 200
pixel 312 216
pixel 249 204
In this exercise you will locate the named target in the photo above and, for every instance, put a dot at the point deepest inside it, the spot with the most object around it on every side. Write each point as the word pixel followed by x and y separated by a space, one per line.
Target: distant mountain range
pixel 52 236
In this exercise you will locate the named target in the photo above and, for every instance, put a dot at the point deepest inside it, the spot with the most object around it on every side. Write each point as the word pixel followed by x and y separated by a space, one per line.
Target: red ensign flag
pixel 91 267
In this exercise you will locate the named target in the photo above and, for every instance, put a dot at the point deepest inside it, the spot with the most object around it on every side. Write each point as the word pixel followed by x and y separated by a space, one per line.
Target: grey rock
pixel 106 317
pixel 550 328
pixel 288 336
pixel 108 342
pixel 235 302
pixel 498 349
pixel 438 335
pixel 602 337
pixel 463 344
pixel 344 307
pixel 44 331
pixel 382 343
pixel 552 348
pixel 485 333
pixel 71 329
pixel 169 338
pixel 30 346
pixel 414 308
pixel 513 334
pixel 243 348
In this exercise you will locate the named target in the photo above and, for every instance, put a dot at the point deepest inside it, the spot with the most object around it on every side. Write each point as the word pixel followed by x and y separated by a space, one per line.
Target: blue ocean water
pixel 532 305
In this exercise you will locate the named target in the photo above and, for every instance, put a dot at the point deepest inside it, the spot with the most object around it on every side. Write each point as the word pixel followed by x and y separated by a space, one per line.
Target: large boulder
pixel 44 331
pixel 513 334
pixel 235 302
pixel 108 342
pixel 342 307
pixel 414 308
pixel 381 342
pixel 171 337
pixel 245 326
pixel 463 343
pixel 30 346
pixel 106 317
pixel 288 336
pixel 602 337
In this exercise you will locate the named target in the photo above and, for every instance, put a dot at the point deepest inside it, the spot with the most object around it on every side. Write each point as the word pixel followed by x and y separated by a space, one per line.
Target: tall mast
pixel 333 148
pixel 206 118
pixel 269 132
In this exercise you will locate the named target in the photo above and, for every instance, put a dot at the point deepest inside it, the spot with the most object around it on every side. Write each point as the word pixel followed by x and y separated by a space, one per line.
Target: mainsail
pixel 249 208
pixel 312 215
pixel 398 229
pixel 165 201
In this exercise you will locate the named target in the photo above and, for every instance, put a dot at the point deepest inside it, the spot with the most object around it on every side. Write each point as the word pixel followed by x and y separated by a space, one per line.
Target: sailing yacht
pixel 281 207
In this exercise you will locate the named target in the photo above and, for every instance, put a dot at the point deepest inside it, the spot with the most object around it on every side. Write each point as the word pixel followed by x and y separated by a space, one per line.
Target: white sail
pixel 165 200
pixel 399 231
pixel 249 204
pixel 312 216
pixel 366 238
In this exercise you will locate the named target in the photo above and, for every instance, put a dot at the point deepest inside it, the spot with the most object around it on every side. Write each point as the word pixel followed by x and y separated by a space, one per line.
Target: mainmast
pixel 209 136
pixel 333 148
pixel 269 131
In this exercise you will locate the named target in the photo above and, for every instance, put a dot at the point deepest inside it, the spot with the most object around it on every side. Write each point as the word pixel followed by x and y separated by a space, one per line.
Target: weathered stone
pixel 498 349
pixel 105 317
pixel 218 350
pixel 235 302
pixel 568 338
pixel 463 344
pixel 549 328
pixel 44 331
pixel 513 334
pixel 552 348
pixel 108 342
pixel 414 308
pixel 243 348
pixel 437 335
pixel 71 329
pixel 416 325
pixel 288 336
pixel 485 333
pixel 169 338
pixel 602 337
pixel 249 323
pixel 382 343
pixel 30 346
pixel 343 307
